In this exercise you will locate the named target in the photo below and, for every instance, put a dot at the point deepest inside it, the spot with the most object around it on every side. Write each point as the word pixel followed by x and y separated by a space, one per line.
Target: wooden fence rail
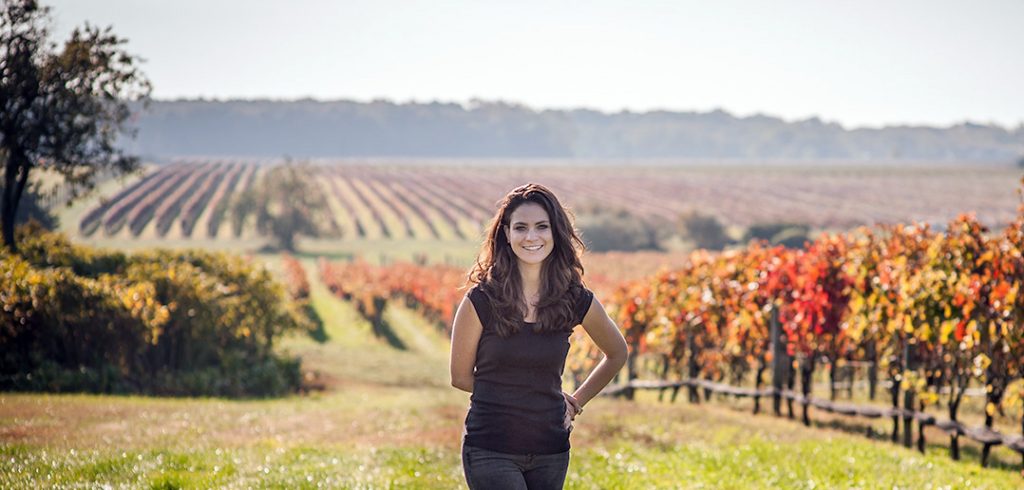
pixel 983 435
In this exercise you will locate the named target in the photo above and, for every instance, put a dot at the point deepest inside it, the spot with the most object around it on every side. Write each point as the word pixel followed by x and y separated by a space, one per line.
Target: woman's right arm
pixel 466 331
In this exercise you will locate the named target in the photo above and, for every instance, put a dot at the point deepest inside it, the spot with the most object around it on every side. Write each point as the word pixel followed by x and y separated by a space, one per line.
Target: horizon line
pixel 474 102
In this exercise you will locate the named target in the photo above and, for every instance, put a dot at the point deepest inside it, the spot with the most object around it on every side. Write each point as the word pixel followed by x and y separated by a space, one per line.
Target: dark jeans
pixel 487 470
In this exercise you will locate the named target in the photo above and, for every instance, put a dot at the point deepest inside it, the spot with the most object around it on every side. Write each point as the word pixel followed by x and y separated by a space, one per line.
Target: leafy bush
pixel 604 229
pixel 160 322
pixel 47 250
pixel 792 235
pixel 705 231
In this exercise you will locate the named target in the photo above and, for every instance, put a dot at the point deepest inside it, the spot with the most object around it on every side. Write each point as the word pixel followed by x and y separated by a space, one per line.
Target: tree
pixel 605 229
pixel 60 109
pixel 287 202
pixel 704 230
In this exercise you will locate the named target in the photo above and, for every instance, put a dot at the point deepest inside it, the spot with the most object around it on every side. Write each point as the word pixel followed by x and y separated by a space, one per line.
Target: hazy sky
pixel 859 63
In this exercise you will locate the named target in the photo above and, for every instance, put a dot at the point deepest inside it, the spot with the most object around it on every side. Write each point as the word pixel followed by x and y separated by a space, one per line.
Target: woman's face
pixel 529 233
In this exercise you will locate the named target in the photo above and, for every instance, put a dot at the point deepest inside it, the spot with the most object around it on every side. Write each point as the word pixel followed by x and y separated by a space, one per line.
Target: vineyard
pixel 382 415
pixel 452 201
pixel 922 320
pixel 936 313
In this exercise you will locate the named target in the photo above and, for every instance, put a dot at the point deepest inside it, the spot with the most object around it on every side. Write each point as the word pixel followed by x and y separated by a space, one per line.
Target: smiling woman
pixel 509 342
pixel 530 233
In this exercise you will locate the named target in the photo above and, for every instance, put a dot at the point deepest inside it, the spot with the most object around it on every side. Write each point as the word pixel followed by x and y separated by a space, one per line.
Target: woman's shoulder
pixel 581 304
pixel 481 302
pixel 581 291
pixel 476 292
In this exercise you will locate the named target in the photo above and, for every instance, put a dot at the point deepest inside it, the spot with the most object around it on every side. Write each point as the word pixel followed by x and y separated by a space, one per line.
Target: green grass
pixel 381 438
pixel 417 334
pixel 389 419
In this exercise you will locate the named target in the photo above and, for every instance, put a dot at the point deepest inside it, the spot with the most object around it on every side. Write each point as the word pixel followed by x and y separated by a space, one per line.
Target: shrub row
pixel 159 322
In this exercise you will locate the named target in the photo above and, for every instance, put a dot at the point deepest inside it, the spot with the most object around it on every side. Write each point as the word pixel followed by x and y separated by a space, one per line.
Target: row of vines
pixel 433 291
pixel 195 199
pixel 936 312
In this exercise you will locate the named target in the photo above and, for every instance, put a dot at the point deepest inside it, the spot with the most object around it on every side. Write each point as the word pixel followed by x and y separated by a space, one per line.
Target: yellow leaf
pixel 945 330
pixel 856 303
pixel 926 331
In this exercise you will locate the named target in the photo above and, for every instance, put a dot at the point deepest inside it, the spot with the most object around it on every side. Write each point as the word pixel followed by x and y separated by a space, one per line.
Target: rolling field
pixel 450 201
pixel 387 418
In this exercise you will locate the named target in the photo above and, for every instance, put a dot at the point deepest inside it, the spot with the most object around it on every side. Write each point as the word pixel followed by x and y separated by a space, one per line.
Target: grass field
pixel 389 419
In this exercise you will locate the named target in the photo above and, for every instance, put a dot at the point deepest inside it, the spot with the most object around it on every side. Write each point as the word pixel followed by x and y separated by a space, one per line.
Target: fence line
pixel 954 429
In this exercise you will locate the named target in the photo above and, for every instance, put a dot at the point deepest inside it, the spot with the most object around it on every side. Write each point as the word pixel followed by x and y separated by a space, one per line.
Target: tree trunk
pixel 15 179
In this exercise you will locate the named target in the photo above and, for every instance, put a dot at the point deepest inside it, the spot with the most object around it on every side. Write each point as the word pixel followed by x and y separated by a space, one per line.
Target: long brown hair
pixel 497 271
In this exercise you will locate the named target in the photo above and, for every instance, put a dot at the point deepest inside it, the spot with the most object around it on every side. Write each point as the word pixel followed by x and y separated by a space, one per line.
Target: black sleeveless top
pixel 517 405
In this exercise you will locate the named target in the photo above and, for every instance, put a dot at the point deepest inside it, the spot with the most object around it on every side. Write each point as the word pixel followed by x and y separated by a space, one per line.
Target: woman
pixel 509 342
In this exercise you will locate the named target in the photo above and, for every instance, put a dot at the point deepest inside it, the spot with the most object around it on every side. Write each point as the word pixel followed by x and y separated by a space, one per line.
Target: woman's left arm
pixel 606 335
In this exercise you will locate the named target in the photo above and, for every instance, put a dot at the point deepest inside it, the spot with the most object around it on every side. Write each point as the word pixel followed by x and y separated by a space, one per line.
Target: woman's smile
pixel 529 233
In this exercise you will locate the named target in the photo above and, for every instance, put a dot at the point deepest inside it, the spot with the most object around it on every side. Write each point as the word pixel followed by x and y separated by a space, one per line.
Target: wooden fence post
pixel 909 364
pixel 872 356
pixel 894 392
pixel 780 361
pixel 693 368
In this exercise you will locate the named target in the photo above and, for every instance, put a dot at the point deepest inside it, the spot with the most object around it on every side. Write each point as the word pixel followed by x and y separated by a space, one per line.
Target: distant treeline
pixel 311 128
